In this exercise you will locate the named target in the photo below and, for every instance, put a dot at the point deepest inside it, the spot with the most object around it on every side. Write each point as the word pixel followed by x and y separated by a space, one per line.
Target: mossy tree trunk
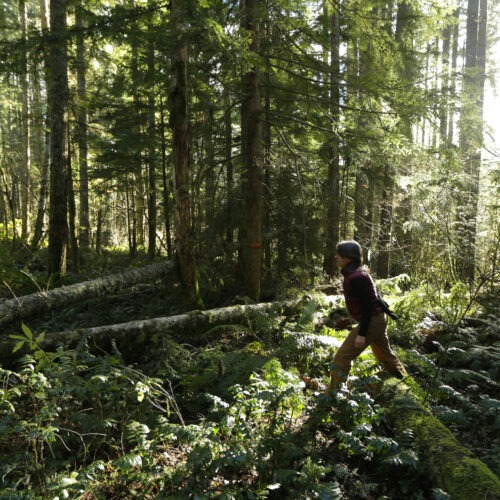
pixel 445 461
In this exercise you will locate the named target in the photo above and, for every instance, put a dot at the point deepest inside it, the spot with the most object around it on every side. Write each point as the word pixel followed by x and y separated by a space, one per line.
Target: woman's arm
pixel 359 288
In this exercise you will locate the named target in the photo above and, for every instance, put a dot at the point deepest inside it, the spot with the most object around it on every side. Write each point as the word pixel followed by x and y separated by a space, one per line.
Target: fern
pixel 450 416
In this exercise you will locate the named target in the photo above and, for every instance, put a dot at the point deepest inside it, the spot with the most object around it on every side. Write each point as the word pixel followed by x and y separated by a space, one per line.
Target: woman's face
pixel 342 261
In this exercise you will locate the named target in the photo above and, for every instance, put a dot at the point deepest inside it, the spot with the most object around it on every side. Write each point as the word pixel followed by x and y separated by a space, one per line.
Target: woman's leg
pixel 342 361
pixel 377 339
pixel 381 348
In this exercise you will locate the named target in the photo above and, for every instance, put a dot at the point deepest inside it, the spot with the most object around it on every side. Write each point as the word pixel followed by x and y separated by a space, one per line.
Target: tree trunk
pixel 152 213
pixel 363 210
pixel 98 231
pixel 444 107
pixel 41 302
pixel 384 241
pixel 333 182
pixel 444 461
pixel 471 136
pixel 364 176
pixel 180 124
pixel 8 192
pixel 453 75
pixel 25 131
pixel 166 190
pixel 228 146
pixel 138 203
pixel 40 156
pixel 131 216
pixel 267 193
pixel 283 198
pixel 82 129
pixel 190 325
pixel 58 98
pixel 210 176
pixel 251 252
pixel 404 36
pixel 73 240
pixel 136 192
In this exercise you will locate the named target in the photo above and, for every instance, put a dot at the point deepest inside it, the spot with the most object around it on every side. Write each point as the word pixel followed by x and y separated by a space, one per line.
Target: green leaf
pixel 67 481
pixel 17 337
pixel 40 338
pixel 129 461
pixel 18 346
pixel 27 331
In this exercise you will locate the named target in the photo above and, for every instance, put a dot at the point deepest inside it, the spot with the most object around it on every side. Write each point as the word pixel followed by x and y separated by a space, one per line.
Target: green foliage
pixel 241 418
pixel 310 353
pixel 63 408
pixel 432 309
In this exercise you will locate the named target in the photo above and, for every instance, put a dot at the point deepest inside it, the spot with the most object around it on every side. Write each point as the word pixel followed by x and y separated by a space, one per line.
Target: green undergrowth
pixel 231 417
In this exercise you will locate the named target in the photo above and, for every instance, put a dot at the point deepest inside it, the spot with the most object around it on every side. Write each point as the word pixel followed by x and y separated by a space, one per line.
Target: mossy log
pixel 41 302
pixel 132 335
pixel 446 462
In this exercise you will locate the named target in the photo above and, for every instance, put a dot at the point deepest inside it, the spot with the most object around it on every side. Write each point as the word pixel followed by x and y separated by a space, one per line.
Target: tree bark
pixel 333 181
pixel 363 208
pixel 128 333
pixel 471 136
pixel 166 190
pixel 58 98
pixel 136 192
pixel 180 124
pixel 41 302
pixel 228 148
pixel 151 158
pixel 444 107
pixel 43 156
pixel 453 74
pixel 82 129
pixel 384 247
pixel 251 252
pixel 210 181
pixel 25 131
pixel 72 240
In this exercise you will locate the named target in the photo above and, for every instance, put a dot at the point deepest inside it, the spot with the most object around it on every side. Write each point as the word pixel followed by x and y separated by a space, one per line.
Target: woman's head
pixel 351 250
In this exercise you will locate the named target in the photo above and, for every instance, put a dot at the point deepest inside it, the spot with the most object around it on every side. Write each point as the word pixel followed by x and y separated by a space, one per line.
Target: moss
pixel 450 466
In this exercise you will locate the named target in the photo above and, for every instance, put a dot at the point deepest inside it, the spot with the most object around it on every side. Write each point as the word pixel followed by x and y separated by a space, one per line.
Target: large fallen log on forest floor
pixel 445 461
pixel 132 335
pixel 44 301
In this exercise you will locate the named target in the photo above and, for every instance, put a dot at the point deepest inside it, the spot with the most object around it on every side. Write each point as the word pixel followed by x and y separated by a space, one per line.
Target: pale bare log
pixel 191 325
pixel 41 302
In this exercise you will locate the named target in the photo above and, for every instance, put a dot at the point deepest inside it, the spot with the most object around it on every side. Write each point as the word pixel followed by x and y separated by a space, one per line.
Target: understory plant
pixel 232 418
pixel 66 409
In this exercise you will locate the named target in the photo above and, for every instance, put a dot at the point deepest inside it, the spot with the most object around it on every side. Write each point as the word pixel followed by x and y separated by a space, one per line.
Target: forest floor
pixel 230 415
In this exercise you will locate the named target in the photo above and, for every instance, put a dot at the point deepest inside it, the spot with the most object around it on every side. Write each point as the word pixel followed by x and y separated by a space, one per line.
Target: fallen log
pixel 41 302
pixel 128 336
pixel 446 462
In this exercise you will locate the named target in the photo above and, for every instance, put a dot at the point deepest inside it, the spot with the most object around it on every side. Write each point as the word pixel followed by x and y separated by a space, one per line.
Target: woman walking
pixel 361 300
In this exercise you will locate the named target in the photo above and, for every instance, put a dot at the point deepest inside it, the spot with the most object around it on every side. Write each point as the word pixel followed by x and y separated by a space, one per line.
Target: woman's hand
pixel 359 341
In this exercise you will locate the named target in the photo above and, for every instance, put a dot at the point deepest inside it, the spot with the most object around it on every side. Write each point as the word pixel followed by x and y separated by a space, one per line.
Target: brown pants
pixel 376 338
